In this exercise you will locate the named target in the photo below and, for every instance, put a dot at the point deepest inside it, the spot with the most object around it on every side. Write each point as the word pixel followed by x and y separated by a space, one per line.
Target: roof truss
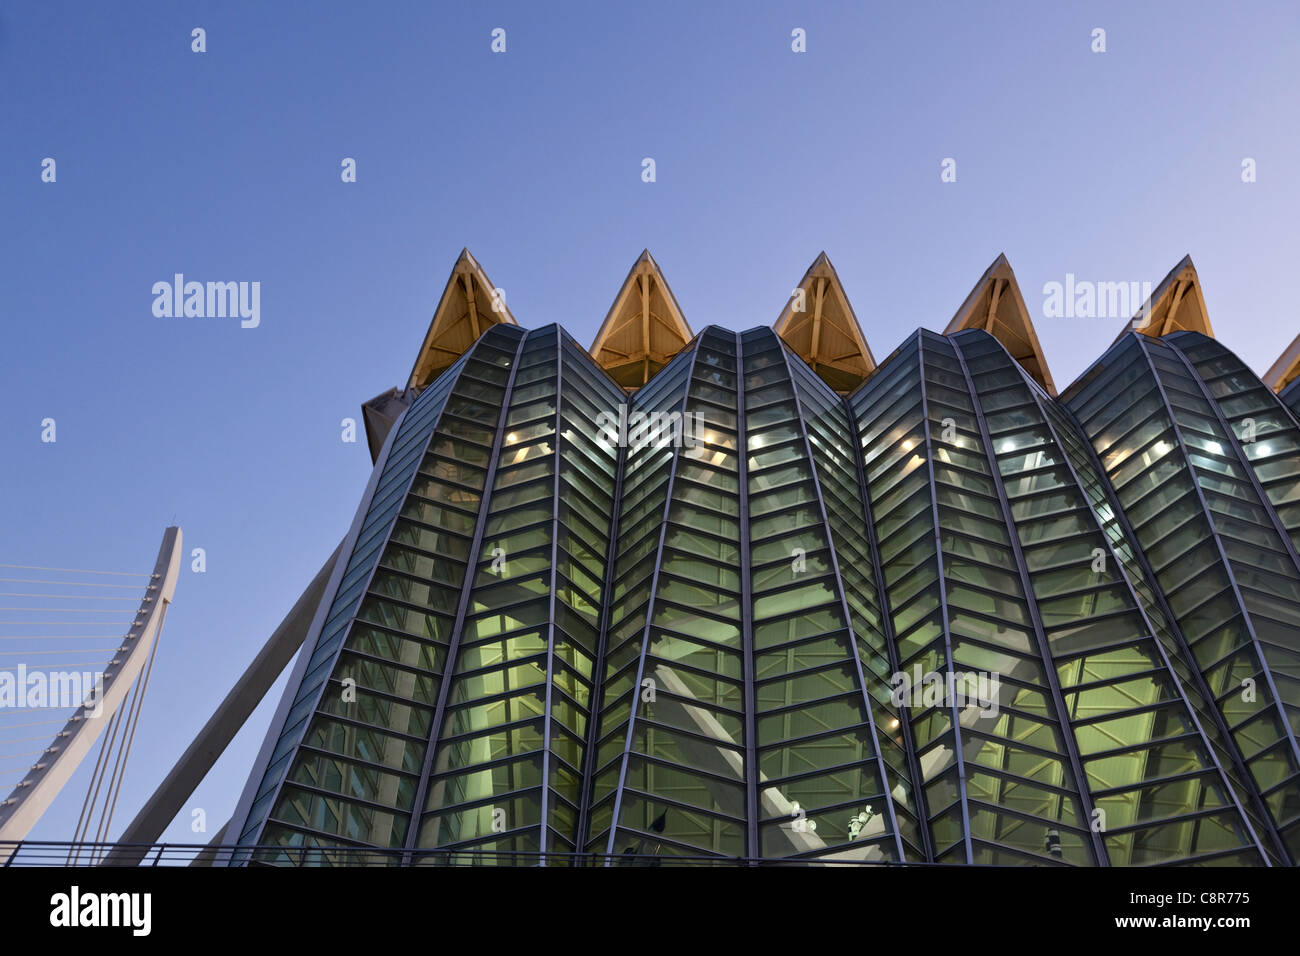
pixel 996 306
pixel 818 323
pixel 643 329
pixel 1285 369
pixel 1176 305
pixel 469 305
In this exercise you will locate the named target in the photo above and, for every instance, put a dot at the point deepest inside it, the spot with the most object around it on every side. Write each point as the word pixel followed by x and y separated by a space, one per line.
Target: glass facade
pixel 736 615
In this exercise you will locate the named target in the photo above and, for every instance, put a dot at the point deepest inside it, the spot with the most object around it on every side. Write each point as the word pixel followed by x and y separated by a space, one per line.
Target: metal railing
pixel 56 853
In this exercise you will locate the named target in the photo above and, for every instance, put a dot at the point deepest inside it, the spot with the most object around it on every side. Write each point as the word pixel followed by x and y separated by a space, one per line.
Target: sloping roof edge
pixel 819 282
pixel 467 299
pixel 996 306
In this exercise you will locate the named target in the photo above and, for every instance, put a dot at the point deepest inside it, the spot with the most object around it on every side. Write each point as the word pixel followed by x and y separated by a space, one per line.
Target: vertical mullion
pixel 345 560
pixel 943 604
pixel 467 586
pixel 649 614
pixel 1194 475
pixel 1246 464
pixel 543 839
pixel 1013 533
pixel 602 641
pixel 1176 631
pixel 1172 623
pixel 887 626
pixel 746 611
pixel 1031 600
pixel 844 607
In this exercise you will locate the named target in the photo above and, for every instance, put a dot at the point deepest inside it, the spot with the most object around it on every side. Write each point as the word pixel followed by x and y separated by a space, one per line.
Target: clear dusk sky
pixel 225 166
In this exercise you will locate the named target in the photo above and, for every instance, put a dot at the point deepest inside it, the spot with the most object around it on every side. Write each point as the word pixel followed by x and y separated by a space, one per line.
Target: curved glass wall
pixel 736 616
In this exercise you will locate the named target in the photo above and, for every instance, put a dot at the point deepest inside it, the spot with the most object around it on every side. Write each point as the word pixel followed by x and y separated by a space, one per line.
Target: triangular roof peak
pixel 1176 305
pixel 643 329
pixel 1285 369
pixel 996 306
pixel 469 305
pixel 818 323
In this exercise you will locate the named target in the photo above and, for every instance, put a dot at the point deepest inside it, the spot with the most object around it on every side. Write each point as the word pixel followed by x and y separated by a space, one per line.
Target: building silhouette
pixel 650 602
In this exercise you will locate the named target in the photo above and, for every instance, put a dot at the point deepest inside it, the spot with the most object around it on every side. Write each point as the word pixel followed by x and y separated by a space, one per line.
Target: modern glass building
pixel 726 597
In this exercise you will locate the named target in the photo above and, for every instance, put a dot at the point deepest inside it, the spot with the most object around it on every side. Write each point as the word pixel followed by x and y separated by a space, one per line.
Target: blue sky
pixel 225 166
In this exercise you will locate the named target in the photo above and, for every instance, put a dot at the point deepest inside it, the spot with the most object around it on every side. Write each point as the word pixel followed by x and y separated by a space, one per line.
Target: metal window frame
pixel 839 586
pixel 471 562
pixel 624 758
pixel 1218 543
pixel 942 582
